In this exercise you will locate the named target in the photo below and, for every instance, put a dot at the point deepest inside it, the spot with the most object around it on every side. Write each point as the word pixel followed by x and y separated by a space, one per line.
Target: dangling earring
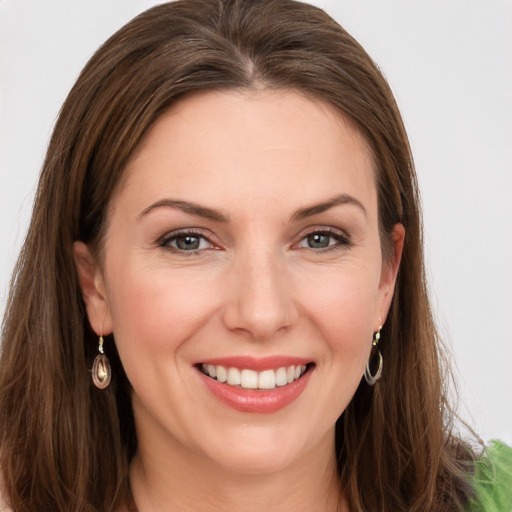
pixel 101 372
pixel 372 379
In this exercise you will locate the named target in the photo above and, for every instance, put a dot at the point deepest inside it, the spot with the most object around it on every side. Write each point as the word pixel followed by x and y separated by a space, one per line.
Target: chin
pixel 256 461
pixel 263 450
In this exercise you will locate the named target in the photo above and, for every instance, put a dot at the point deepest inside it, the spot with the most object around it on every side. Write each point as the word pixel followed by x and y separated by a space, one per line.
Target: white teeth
pixel 250 379
pixel 267 379
pixel 281 379
pixel 222 374
pixel 233 376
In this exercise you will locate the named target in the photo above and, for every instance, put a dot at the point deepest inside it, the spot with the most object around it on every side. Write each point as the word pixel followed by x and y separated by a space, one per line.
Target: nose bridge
pixel 260 300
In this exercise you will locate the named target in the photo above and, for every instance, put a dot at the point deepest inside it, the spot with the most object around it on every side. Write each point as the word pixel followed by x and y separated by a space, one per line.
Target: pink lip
pixel 257 364
pixel 256 401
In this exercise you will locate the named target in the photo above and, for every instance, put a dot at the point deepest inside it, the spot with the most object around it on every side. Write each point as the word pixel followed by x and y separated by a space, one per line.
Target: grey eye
pixel 188 242
pixel 318 240
pixel 324 240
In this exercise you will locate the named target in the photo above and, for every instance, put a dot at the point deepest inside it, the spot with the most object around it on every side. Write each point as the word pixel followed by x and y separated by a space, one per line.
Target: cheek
pixel 157 309
pixel 343 307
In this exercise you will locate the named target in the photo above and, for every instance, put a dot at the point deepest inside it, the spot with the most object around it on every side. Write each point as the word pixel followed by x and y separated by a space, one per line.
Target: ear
pixel 388 275
pixel 92 284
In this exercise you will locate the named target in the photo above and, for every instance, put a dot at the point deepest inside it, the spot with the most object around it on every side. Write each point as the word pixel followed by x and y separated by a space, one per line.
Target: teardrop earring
pixel 372 379
pixel 101 372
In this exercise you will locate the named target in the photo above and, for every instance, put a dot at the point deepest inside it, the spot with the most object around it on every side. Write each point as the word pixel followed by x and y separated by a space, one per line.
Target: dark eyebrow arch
pixel 187 207
pixel 322 207
pixel 217 216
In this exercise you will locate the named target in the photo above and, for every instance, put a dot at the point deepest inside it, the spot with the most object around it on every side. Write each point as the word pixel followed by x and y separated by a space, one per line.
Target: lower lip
pixel 257 401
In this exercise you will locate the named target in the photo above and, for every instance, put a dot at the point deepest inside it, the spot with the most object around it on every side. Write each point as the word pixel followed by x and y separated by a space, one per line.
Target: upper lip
pixel 258 364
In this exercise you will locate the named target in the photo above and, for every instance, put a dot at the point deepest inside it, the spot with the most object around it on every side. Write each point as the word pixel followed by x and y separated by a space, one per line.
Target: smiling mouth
pixel 251 379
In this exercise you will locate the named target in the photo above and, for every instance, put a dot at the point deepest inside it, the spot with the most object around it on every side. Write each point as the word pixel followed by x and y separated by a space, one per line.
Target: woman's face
pixel 243 243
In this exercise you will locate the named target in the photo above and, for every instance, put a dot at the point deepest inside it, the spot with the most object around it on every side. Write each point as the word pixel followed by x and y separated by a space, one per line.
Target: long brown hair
pixel 64 445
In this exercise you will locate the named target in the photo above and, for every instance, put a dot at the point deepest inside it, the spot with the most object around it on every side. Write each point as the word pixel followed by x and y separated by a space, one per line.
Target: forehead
pixel 252 142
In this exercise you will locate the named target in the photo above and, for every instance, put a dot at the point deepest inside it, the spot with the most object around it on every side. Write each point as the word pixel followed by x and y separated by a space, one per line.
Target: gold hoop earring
pixel 372 379
pixel 101 372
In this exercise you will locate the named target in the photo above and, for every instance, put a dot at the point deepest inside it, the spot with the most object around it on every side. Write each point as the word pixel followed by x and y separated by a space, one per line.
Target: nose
pixel 260 298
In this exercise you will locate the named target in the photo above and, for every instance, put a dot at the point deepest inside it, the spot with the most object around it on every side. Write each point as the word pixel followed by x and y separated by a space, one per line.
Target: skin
pixel 257 286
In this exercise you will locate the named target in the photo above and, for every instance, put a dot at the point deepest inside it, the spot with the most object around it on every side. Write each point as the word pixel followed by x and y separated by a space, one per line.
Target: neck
pixel 168 480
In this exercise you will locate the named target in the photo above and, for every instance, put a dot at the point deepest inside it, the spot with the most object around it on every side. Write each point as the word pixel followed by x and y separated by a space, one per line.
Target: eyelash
pixel 167 239
pixel 341 239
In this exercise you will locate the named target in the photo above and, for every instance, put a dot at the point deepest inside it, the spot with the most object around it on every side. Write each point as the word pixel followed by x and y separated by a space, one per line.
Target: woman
pixel 226 237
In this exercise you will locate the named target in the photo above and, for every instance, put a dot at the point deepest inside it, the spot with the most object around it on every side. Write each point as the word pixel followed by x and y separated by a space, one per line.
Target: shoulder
pixel 493 480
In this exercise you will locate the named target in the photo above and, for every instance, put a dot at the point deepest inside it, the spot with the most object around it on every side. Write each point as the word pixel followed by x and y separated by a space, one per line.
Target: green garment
pixel 493 480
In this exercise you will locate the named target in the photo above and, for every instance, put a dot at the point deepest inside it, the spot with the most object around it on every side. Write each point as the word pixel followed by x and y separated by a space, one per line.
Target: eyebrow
pixel 217 216
pixel 187 207
pixel 322 207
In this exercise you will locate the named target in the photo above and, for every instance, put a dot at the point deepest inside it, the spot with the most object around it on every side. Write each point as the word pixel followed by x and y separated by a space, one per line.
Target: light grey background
pixel 450 65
